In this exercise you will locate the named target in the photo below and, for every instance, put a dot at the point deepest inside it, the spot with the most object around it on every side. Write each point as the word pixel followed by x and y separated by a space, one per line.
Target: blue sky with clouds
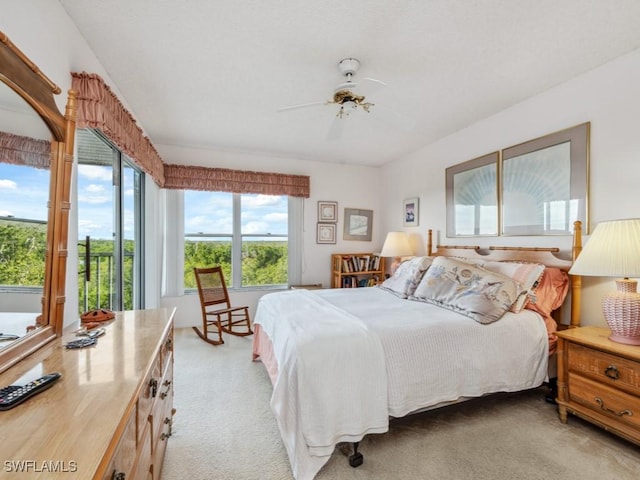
pixel 210 212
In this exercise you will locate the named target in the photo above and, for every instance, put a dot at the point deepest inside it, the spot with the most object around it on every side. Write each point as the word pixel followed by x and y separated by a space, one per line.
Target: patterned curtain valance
pixel 185 177
pixel 98 107
pixel 19 150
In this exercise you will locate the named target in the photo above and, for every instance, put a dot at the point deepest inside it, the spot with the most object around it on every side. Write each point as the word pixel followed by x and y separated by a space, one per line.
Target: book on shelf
pixel 355 263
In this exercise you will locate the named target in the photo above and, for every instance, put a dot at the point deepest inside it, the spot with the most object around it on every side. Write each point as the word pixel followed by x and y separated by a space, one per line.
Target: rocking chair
pixel 217 313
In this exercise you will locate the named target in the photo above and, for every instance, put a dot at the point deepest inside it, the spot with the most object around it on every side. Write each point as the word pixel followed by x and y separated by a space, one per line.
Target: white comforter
pixel 349 358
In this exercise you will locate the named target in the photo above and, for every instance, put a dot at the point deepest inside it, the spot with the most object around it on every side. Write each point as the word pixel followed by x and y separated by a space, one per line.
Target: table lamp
pixel 396 245
pixel 613 250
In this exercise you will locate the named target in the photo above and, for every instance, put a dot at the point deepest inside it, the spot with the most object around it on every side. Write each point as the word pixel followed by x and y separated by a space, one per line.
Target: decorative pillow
pixel 468 289
pixel 525 273
pixel 550 291
pixel 549 295
pixel 407 276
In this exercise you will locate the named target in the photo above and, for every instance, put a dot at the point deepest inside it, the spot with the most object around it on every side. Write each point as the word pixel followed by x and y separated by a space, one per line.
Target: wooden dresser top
pixel 70 425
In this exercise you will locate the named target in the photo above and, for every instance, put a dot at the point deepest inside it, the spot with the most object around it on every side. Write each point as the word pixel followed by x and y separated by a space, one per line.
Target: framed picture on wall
pixel 327 212
pixel 326 233
pixel 411 212
pixel 549 204
pixel 472 197
pixel 357 224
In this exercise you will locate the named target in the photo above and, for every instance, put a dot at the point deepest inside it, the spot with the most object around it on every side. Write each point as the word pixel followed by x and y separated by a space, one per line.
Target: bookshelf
pixel 350 270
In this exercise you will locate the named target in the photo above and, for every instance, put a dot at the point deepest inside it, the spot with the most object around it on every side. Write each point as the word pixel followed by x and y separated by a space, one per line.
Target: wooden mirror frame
pixel 24 77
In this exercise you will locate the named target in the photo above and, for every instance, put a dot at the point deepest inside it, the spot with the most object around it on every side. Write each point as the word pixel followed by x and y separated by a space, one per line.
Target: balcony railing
pixel 98 290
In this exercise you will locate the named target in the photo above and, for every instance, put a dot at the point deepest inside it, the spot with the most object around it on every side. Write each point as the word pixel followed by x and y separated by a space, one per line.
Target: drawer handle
pixel 153 385
pixel 612 372
pixel 609 410
pixel 166 383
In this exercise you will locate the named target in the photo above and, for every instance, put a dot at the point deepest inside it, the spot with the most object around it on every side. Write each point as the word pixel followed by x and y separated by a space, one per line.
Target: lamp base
pixel 625 340
pixel 621 310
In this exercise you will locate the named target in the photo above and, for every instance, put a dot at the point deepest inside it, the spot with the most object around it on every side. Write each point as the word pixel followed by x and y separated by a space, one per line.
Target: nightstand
pixel 599 381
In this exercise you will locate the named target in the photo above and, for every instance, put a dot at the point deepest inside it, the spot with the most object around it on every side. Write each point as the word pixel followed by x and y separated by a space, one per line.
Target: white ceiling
pixel 212 73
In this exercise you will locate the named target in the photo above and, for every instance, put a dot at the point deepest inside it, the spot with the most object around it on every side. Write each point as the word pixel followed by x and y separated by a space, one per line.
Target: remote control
pixel 13 395
pixel 81 342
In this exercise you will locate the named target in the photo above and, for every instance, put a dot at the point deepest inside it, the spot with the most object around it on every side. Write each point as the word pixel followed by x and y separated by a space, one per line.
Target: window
pixel 247 234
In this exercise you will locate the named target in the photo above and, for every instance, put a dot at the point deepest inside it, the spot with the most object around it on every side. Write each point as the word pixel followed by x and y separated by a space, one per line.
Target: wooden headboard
pixel 546 256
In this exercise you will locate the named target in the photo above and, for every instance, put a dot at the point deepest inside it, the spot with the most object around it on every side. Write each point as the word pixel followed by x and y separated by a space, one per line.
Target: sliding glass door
pixel 110 226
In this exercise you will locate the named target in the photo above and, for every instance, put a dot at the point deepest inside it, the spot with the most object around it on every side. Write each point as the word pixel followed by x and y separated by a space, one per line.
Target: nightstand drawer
pixel 603 367
pixel 607 401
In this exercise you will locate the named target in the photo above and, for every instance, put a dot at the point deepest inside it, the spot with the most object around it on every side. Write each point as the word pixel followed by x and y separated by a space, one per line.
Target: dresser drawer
pixel 124 456
pixel 605 400
pixel 606 368
pixel 150 389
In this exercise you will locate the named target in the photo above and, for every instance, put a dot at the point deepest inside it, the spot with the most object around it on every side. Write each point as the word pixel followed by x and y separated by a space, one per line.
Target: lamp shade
pixel 396 245
pixel 613 250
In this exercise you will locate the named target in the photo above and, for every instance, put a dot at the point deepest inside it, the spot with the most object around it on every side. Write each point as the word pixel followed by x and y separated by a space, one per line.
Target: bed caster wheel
pixel 356 460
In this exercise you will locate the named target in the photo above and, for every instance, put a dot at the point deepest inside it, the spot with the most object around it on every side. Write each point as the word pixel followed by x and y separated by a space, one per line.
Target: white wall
pixel 608 97
pixel 350 186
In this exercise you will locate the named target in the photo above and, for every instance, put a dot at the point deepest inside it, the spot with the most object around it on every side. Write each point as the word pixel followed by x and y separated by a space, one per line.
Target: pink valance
pixel 19 150
pixel 99 107
pixel 185 177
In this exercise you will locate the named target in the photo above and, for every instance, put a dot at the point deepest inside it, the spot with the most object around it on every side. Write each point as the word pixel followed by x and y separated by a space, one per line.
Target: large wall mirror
pixel 36 157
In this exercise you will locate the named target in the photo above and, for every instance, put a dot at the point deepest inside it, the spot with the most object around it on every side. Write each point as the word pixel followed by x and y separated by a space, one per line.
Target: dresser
pixel 110 414
pixel 599 380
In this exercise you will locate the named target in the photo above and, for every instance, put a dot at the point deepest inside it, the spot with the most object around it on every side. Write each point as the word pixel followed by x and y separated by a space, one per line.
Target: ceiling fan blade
pixel 375 80
pixel 302 105
pixel 335 131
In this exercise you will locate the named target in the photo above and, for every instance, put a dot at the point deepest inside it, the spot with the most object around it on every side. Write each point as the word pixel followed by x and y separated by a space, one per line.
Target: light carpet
pixel 224 429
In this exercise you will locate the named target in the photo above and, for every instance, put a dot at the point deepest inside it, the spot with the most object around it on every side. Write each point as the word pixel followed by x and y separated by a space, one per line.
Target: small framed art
pixel 357 224
pixel 326 233
pixel 411 212
pixel 328 212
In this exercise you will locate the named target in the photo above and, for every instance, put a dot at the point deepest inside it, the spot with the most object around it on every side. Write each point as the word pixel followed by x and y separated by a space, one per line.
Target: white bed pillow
pixel 407 276
pixel 468 289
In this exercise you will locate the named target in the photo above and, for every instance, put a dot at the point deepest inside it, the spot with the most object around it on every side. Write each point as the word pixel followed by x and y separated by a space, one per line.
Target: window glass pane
pixel 208 212
pixel 131 212
pixel 206 251
pixel 208 227
pixel 264 261
pixel 264 214
pixel 264 239
pixel 96 215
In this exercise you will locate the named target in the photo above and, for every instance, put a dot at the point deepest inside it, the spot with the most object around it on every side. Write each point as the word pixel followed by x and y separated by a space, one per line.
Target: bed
pixel 447 327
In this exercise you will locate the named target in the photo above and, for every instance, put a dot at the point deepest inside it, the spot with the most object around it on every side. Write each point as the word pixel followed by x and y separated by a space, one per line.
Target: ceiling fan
pixel 344 93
